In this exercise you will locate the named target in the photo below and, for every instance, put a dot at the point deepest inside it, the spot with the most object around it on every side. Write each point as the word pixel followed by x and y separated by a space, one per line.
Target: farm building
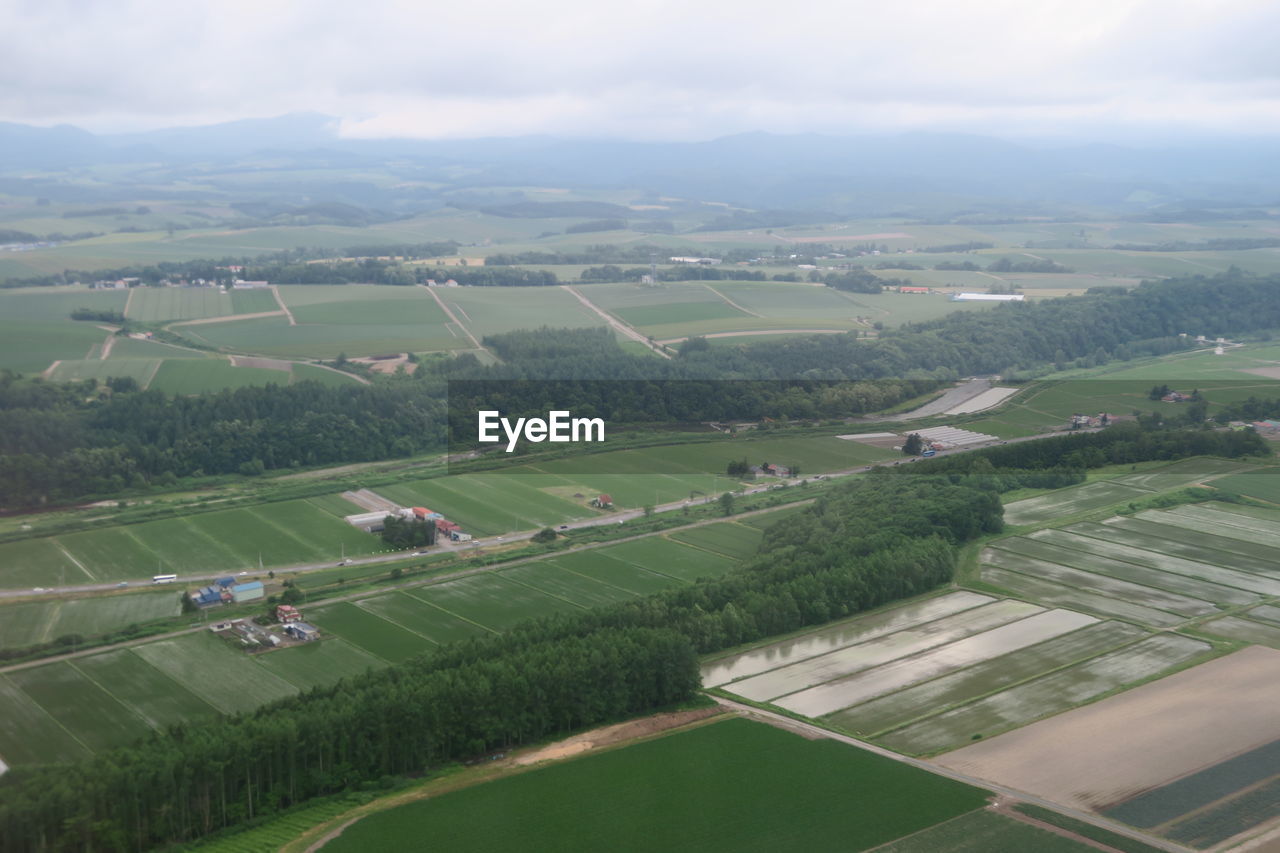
pixel 302 631
pixel 421 512
pixel 206 596
pixel 987 297
pixel 602 502
pixel 908 289
pixel 776 470
pixel 1175 397
pixel 446 526
pixel 240 284
pixel 251 591
pixel 226 582
pixel 286 613
pixel 459 536
pixel 703 261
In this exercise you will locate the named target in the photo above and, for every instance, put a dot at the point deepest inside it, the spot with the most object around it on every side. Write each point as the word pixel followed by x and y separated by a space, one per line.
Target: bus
pixel 164 578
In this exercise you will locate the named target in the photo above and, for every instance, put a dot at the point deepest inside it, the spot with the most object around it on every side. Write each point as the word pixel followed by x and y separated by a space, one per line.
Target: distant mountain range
pixel 855 174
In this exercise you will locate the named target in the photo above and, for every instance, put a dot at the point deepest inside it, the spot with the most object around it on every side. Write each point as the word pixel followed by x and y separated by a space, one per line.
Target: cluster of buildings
pixel 269 637
pixel 444 527
pixel 769 469
pixel 706 262
pixel 1081 421
pixel 227 591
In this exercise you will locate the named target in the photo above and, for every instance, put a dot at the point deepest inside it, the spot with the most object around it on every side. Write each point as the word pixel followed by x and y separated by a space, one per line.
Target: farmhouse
pixel 302 631
pixel 1175 397
pixel 987 297
pixel 286 613
pixel 447 527
pixel 907 289
pixel 602 502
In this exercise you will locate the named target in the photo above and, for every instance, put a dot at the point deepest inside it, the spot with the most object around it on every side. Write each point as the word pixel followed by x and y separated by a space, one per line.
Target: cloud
pixel 646 69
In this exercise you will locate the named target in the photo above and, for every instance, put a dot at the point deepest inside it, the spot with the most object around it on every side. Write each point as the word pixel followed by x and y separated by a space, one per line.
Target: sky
pixel 650 69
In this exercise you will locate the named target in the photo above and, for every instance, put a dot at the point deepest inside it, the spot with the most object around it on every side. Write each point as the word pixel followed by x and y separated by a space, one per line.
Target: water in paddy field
pixel 838 636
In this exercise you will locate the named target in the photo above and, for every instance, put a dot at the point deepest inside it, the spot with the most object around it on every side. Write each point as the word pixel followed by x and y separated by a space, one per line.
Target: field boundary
pixel 275 291
pixel 617 324
pixel 453 317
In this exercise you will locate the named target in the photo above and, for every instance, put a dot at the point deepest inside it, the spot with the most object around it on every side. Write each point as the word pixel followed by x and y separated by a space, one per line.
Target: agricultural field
pixel 1264 485
pixel 275 534
pixel 44 621
pixel 193 675
pixel 1169 757
pixel 698 789
pixel 494 310
pixel 36 328
pixel 934 674
pixel 396 625
pixel 1064 503
pixel 1158 568
pixel 165 304
pixel 275 336
pixel 200 376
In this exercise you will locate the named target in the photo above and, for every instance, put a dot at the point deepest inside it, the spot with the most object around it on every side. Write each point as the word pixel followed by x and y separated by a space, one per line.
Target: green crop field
pixel 362 305
pixel 315 373
pixel 200 376
pixel 318 664
pixel 368 631
pixel 126 348
pixel 204 665
pixel 626 576
pixel 488 504
pixel 335 505
pixel 670 558
pixel 29 735
pixel 273 336
pixel 1264 485
pixel 281 533
pixel 731 786
pixel 562 583
pixel 164 304
pixel 154 696
pixel 494 310
pixel 726 537
pixel 26 623
pixel 492 601
pixel 81 705
pixel 414 613
pixel 38 562
pixel 36 329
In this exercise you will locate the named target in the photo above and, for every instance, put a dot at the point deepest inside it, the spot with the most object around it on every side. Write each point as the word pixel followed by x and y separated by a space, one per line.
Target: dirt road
pixel 617 324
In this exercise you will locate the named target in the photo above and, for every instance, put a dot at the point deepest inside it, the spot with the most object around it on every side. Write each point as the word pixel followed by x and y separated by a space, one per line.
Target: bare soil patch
pixel 258 361
pixel 388 363
pixel 1100 754
pixel 608 735
pixel 1268 372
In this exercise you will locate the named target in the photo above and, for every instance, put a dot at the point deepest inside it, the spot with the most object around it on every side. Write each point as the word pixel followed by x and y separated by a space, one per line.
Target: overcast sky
pixel 649 69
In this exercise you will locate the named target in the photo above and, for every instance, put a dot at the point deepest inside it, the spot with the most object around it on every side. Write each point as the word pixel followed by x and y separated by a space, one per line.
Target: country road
pixel 617 324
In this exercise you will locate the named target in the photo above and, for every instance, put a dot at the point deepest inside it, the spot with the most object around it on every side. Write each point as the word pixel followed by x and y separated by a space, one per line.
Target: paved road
pixel 187 580
pixel 1012 793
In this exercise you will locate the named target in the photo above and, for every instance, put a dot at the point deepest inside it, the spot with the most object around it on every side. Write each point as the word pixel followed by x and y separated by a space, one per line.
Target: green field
pixel 368 631
pixel 282 533
pixel 671 558
pixel 562 583
pixel 36 329
pixel 164 304
pixel 491 601
pixel 229 681
pixel 81 706
pixel 154 696
pixel 77 370
pixel 731 786
pixel 29 735
pixel 1264 485
pixel 986 832
pixel 495 310
pixel 273 336
pixel 192 376
pixel 725 537
pixel 415 614
pixel 317 664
